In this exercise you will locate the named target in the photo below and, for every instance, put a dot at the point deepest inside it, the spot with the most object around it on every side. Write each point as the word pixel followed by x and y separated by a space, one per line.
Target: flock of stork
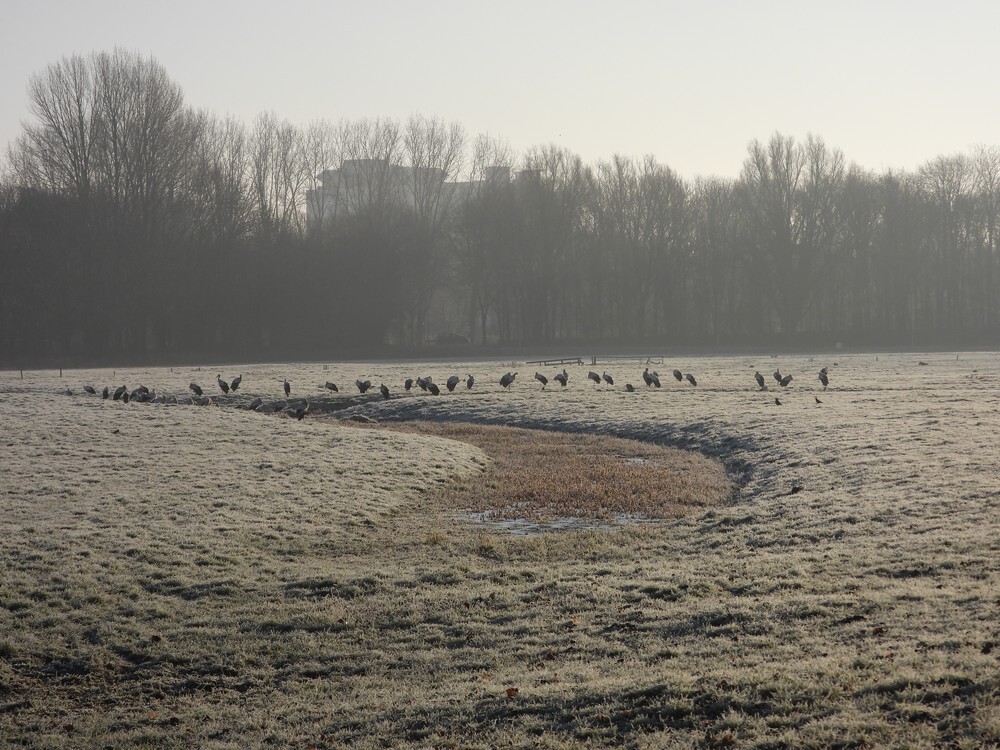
pixel 142 394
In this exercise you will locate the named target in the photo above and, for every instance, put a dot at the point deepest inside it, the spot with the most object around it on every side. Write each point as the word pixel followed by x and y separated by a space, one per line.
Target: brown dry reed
pixel 543 475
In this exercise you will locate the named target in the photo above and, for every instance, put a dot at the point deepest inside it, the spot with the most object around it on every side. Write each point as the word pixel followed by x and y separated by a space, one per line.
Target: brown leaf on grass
pixel 512 692
pixel 151 715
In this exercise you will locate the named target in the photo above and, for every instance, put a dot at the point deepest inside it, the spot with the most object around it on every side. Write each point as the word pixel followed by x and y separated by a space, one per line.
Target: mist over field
pixel 134 228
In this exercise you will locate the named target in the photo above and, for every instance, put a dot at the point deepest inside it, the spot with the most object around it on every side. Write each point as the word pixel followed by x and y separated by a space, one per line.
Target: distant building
pixel 374 184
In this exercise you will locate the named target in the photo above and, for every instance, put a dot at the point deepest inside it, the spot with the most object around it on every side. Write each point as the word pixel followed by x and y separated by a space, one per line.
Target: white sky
pixel 891 83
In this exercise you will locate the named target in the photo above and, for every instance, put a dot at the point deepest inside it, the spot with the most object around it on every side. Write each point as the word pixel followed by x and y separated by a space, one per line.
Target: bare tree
pixel 435 154
pixel 772 175
pixel 321 154
pixel 482 224
pixel 56 151
pixel 368 183
pixel 278 176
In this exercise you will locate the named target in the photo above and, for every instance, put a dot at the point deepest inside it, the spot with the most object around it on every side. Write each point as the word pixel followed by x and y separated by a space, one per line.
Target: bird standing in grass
pixel 608 379
pixel 236 383
pixel 453 381
pixel 690 378
pixel 629 387
pixel 433 387
pixel 562 378
pixel 90 389
pixel 469 382
pixel 407 384
pixel 760 379
pixel 824 378
pixel 105 393
pixel 223 385
pixel 384 390
pixel 776 375
pixel 288 388
pixel 678 376
pixel 302 410
pixel 507 379
pixel 777 401
pixel 332 387
pixel 255 404
pixel 785 381
pixel 196 389
pixel 595 377
pixel 363 385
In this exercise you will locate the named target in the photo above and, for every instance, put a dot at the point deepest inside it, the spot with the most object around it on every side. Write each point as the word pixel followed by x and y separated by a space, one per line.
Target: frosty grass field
pixel 182 576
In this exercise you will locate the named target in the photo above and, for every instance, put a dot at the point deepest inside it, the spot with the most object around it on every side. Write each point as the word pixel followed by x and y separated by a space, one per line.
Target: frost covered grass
pixel 213 578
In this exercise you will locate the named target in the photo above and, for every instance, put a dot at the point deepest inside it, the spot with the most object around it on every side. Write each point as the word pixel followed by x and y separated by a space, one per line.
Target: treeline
pixel 133 227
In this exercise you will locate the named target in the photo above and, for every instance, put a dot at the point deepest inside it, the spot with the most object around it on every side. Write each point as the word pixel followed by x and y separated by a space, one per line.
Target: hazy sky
pixel 890 83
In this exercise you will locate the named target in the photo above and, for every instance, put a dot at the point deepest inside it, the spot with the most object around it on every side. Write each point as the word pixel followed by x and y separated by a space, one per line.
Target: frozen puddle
pixel 527 527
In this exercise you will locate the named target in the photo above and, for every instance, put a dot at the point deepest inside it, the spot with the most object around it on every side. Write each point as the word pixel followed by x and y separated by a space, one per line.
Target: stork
pixel 678 376
pixel 541 379
pixel 608 379
pixel 507 379
pixel 384 390
pixel 629 387
pixel 647 378
pixel 776 375
pixel 363 385
pixel 236 382
pixel 332 387
pixel 595 377
pixel 433 388
pixel 562 378
pixel 255 404
pixel 223 385
pixel 288 388
pixel 90 389
pixel 408 384
pixel 759 378
pixel 452 382
pixel 824 378
pixel 690 378
pixel 469 382
pixel 196 389
pixel 785 381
